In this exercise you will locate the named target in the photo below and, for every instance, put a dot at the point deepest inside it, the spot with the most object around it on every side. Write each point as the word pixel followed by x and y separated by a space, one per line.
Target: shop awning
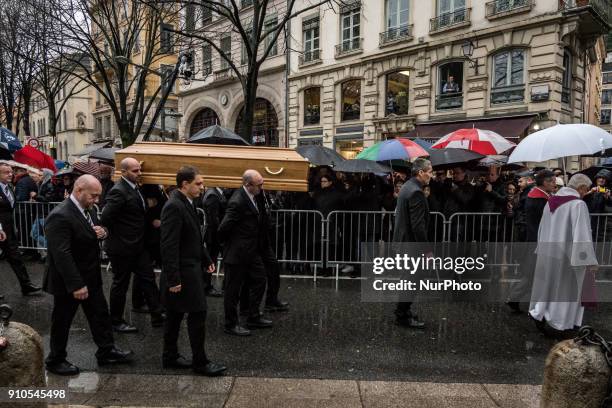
pixel 508 127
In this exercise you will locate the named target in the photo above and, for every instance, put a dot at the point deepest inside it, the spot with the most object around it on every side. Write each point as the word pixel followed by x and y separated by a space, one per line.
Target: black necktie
pixel 141 197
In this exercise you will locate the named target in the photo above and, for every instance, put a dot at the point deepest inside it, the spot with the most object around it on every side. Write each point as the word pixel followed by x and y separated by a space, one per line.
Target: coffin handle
pixel 274 173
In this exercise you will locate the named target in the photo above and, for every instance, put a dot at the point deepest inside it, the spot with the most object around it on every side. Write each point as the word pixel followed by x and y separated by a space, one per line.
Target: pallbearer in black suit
pixel 246 247
pixel 74 278
pixel 185 262
pixel 9 245
pixel 124 216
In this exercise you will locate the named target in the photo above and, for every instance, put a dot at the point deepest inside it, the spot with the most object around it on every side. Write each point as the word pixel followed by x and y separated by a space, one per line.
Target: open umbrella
pixel 447 158
pixel 361 166
pixel 35 158
pixel 477 140
pixel 393 149
pixel 216 134
pixel 86 167
pixel 8 140
pixel 319 155
pixel 561 141
pixel 106 154
pixel 423 143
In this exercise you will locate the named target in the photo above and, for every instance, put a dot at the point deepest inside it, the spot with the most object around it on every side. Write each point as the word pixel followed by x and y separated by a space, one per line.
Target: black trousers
pixel 196 328
pixel 96 312
pixel 272 286
pixel 235 277
pixel 10 248
pixel 123 268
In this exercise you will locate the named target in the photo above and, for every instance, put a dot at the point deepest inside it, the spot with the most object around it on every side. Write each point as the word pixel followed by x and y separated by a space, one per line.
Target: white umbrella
pixel 561 141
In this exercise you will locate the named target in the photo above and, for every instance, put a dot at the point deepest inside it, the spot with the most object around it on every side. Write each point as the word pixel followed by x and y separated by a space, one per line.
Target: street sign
pixel 33 142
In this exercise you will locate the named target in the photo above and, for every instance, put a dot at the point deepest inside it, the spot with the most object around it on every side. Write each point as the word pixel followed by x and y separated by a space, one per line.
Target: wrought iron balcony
pixel 508 94
pixel 448 20
pixel 309 57
pixel 449 101
pixel 566 95
pixel 502 7
pixel 596 15
pixel 402 33
pixel 350 46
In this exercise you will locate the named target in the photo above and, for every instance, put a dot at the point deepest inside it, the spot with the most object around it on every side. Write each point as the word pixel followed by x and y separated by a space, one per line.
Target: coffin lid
pixel 221 166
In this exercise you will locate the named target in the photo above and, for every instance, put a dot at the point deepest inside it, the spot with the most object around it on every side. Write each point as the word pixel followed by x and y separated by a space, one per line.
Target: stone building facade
pixel 378 69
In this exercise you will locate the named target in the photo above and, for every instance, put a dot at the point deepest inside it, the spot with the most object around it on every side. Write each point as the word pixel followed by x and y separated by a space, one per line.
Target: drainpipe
pixel 287 69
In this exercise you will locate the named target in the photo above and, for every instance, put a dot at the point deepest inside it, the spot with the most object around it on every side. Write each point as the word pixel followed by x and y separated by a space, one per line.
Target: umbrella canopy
pixel 86 167
pixel 607 162
pixel 393 149
pixel 447 158
pixel 477 140
pixel 319 155
pixel 105 154
pixel 216 134
pixel 423 143
pixel 8 140
pixel 361 166
pixel 59 164
pixel 561 141
pixel 35 158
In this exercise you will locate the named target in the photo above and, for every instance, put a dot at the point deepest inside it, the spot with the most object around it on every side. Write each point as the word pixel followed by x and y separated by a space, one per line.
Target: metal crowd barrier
pixel 30 222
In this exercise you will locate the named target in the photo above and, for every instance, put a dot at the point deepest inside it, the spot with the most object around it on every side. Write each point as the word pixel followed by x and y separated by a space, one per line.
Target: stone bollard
pixel 576 374
pixel 22 363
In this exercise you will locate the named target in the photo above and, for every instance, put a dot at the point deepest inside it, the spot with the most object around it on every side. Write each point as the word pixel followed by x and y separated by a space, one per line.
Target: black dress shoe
pixel 30 290
pixel 277 306
pixel 116 356
pixel 124 328
pixel 411 322
pixel 141 309
pixel 179 362
pixel 214 292
pixel 210 369
pixel 258 322
pixel 62 368
pixel 237 331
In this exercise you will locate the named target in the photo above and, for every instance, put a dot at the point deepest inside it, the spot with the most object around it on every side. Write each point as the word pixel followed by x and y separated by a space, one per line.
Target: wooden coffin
pixel 221 166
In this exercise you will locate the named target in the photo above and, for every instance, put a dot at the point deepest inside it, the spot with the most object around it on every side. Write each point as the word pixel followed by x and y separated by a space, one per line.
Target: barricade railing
pixel 601 226
pixel 298 236
pixel 30 223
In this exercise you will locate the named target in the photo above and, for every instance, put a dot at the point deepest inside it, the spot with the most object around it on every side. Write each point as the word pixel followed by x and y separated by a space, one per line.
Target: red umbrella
pixel 35 158
pixel 477 140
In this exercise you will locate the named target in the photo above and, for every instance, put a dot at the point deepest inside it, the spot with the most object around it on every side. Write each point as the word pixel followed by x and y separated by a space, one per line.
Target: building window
pixel 397 93
pixel 351 99
pixel 107 127
pixel 449 89
pixel 604 118
pixel 190 18
pixel 508 77
pixel 265 124
pixel 310 30
pixel 567 78
pixel 206 15
pixel 99 128
pixel 312 106
pixel 65 120
pixel 270 27
pixel 244 58
pixel 165 43
pixel 226 49
pixel 166 77
pixel 398 13
pixel 607 77
pixel 606 97
pixel 349 149
pixel 206 60
pixel 205 118
pixel 246 3
pixel 350 30
pixel 449 12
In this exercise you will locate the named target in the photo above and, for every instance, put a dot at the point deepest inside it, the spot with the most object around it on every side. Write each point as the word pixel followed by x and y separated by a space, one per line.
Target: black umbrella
pixel 106 154
pixel 592 171
pixel 361 166
pixel 216 134
pixel 319 155
pixel 446 158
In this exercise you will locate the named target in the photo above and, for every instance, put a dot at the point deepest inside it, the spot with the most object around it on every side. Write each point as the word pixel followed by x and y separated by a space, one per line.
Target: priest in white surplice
pixel 565 253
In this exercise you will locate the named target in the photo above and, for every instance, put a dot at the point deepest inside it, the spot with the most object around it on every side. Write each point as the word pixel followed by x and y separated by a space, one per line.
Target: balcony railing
pixel 601 7
pixel 403 33
pixel 508 94
pixel 497 7
pixel 310 57
pixel 451 19
pixel 349 46
pixel 449 101
pixel 566 95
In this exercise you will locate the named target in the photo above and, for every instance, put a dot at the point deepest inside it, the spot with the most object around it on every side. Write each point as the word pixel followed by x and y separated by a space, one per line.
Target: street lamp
pixel 468 51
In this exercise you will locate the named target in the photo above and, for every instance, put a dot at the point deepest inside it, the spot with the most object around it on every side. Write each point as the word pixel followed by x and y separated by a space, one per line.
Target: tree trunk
pixel 250 96
pixel 52 116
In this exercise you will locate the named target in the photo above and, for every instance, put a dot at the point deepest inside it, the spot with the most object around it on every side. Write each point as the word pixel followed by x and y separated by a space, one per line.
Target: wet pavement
pixel 330 334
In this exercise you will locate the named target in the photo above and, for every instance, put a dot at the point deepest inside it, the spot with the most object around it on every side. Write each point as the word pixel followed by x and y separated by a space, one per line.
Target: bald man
pixel 73 277
pixel 246 247
pixel 124 216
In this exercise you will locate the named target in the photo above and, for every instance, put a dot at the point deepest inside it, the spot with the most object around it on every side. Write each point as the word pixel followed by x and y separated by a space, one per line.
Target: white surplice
pixel 565 249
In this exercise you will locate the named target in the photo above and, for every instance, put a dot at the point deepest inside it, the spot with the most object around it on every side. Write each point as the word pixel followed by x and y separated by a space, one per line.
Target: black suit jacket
pixel 214 205
pixel 73 258
pixel 7 213
pixel 411 214
pixel 124 217
pixel 184 257
pixel 244 231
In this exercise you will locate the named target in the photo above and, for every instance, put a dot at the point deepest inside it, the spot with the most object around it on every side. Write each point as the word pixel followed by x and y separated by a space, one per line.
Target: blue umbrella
pixel 59 164
pixel 8 140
